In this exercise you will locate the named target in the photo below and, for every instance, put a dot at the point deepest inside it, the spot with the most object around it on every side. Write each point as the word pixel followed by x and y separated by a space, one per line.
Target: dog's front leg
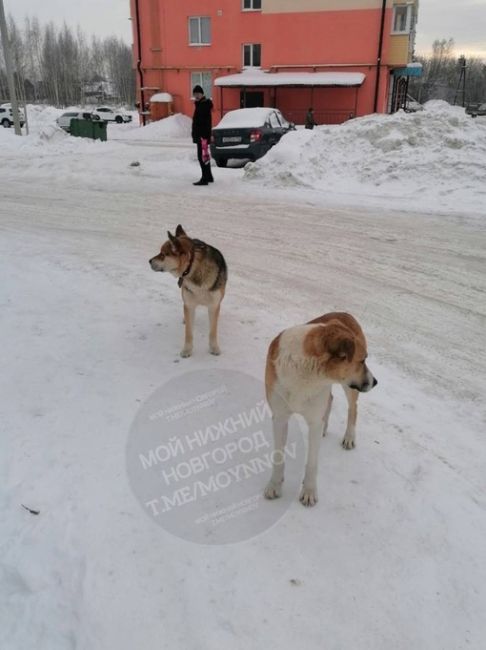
pixel 213 311
pixel 350 435
pixel 308 495
pixel 189 324
pixel 280 432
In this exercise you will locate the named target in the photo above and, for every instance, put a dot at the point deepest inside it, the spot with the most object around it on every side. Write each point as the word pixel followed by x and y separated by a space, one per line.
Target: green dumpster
pixel 86 128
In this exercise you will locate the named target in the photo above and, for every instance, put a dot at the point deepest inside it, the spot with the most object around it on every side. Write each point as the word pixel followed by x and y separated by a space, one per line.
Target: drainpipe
pixel 139 61
pixel 380 53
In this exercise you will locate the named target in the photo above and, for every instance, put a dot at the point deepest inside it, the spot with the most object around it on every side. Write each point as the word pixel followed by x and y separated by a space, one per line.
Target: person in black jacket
pixel 201 133
pixel 310 120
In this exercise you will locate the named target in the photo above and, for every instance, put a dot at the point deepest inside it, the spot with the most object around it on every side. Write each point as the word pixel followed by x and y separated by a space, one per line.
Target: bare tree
pixel 57 64
pixel 441 75
pixel 118 57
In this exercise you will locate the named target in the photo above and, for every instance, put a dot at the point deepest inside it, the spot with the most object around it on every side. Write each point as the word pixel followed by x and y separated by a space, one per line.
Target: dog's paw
pixel 273 491
pixel 186 352
pixel 308 497
pixel 215 349
pixel 348 442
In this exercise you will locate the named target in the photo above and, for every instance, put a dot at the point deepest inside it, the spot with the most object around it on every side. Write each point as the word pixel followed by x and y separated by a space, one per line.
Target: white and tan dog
pixel 302 364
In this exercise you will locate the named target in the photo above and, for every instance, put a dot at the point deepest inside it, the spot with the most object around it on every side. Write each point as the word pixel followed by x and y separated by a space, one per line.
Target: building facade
pixel 344 58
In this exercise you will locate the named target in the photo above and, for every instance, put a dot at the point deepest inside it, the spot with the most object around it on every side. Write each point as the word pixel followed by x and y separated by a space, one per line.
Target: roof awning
pixel 257 78
pixel 411 70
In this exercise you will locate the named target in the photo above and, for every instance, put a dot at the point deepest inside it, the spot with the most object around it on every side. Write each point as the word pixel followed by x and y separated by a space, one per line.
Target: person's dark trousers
pixel 206 173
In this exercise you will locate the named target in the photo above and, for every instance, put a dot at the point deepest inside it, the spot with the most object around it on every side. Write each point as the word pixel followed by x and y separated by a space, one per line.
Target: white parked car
pixel 6 116
pixel 110 114
pixel 64 120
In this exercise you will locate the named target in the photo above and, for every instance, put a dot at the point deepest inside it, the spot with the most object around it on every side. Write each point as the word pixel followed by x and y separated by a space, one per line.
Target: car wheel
pixel 221 162
pixel 118 119
pixel 5 123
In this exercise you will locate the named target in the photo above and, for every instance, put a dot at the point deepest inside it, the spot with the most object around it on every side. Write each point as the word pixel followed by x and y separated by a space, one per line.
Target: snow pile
pixel 435 154
pixel 45 133
pixel 49 136
pixel 175 126
pixel 41 116
pixel 43 130
pixel 39 136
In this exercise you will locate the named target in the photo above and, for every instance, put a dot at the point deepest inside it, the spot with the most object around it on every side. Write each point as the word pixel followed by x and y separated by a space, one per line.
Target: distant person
pixel 310 120
pixel 201 133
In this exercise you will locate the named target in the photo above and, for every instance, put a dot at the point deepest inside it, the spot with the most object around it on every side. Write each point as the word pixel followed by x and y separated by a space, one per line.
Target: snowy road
pixel 418 282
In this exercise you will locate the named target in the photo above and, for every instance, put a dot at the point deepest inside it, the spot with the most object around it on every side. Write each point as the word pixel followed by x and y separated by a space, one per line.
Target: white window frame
pixel 252 65
pixel 199 43
pixel 243 8
pixel 408 23
pixel 196 78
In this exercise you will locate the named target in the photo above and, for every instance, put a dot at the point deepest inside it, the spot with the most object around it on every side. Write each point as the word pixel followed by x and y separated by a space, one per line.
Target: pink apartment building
pixel 344 58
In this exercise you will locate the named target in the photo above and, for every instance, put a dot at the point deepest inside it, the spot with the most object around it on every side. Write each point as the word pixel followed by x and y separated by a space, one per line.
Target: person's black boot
pixel 201 182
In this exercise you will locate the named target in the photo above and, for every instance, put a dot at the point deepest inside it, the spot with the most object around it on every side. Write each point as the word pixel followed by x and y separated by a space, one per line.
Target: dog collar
pixel 197 244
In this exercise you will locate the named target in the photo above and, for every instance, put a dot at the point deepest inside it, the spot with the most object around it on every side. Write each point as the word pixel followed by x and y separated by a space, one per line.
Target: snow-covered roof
pixel 161 98
pixel 260 78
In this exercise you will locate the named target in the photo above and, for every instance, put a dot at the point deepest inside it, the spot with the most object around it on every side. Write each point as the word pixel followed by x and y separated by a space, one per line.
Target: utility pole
pixel 461 84
pixel 8 65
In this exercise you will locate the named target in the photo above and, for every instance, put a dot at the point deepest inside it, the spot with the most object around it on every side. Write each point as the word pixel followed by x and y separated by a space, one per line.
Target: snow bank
pixel 40 116
pixel 53 139
pixel 175 126
pixel 438 153
pixel 44 133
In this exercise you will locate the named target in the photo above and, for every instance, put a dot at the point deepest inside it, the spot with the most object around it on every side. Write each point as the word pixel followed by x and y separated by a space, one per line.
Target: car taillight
pixel 255 136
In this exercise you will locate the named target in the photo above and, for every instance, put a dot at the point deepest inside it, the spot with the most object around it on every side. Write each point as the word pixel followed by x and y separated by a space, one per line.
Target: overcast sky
pixel 463 20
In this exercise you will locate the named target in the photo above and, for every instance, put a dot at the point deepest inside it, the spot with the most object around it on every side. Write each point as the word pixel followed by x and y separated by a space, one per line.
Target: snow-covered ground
pixel 432 159
pixel 393 555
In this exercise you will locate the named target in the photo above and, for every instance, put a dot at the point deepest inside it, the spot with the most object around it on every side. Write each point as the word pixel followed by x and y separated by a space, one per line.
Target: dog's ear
pixel 180 231
pixel 174 243
pixel 341 347
pixel 338 342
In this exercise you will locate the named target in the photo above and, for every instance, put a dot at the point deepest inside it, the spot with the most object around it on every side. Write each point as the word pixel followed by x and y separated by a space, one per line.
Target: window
pixel 282 120
pixel 202 79
pixel 274 123
pixel 402 18
pixel 200 30
pixel 252 55
pixel 251 5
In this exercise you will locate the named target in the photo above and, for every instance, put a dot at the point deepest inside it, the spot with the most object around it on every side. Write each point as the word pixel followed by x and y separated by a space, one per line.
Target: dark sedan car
pixel 247 133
